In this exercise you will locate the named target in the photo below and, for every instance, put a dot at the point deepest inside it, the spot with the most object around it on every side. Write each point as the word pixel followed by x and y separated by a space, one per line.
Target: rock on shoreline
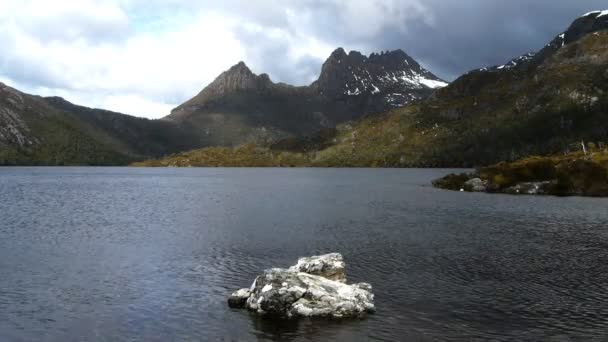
pixel 314 287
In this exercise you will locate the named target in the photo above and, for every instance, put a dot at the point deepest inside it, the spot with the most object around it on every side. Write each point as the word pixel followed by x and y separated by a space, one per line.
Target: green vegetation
pixel 60 133
pixel 577 173
pixel 454 182
pixel 245 156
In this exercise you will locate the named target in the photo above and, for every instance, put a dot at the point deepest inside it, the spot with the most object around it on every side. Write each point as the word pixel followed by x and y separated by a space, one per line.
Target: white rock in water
pixel 292 292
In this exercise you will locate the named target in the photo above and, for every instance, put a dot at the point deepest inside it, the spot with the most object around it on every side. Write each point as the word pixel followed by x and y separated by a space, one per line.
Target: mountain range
pixel 377 110
pixel 240 106
pixel 236 108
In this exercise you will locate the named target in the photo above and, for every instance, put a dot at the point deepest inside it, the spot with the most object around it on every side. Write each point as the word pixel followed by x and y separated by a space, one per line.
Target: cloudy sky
pixel 144 57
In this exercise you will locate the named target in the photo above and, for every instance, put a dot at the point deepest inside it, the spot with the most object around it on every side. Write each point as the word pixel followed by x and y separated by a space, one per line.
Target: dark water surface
pixel 120 254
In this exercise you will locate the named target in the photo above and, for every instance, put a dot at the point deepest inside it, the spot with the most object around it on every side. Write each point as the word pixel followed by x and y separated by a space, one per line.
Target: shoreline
pixel 573 174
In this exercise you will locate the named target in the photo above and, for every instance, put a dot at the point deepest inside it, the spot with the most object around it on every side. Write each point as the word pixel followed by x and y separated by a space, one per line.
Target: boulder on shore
pixel 476 185
pixel 530 188
pixel 314 287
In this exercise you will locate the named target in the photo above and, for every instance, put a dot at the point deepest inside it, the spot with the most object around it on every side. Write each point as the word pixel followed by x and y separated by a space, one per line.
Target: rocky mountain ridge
pixel 240 106
pixel 393 75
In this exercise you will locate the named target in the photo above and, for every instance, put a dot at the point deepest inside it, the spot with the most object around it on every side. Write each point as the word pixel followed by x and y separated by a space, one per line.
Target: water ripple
pixel 119 254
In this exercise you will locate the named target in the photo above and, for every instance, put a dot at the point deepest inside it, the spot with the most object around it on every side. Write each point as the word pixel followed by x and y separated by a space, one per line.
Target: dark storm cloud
pixel 452 37
pixel 469 34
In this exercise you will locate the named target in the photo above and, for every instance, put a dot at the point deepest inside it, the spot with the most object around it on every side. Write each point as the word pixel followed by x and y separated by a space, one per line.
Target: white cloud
pixel 125 55
pixel 66 19
pixel 156 69
pixel 144 57
pixel 137 105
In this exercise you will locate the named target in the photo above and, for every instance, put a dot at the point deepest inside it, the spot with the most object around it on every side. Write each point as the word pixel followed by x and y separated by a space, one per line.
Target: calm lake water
pixel 122 254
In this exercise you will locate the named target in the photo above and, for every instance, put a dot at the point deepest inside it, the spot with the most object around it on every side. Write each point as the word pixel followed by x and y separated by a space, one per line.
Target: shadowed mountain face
pixel 240 106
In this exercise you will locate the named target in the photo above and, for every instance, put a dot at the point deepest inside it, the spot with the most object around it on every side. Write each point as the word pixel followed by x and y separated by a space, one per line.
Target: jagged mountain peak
pixel 393 74
pixel 240 67
pixel 338 53
pixel 238 78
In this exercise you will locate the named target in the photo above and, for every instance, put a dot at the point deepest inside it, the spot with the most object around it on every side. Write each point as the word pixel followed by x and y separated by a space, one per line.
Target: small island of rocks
pixel 314 287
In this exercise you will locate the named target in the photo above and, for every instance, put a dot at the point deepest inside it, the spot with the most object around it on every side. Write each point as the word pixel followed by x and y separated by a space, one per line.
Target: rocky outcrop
pixel 314 287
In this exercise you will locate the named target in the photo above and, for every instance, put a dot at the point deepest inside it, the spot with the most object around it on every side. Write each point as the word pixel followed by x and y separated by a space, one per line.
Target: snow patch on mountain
pixel 510 65
pixel 600 13
pixel 432 83
pixel 357 77
pixel 516 62
pixel 408 79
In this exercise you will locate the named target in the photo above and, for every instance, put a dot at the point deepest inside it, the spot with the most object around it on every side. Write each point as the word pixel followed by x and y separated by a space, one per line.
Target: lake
pixel 129 254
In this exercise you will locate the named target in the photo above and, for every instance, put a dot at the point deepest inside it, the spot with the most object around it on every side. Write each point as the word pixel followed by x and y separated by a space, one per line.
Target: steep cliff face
pixel 392 78
pixel 240 107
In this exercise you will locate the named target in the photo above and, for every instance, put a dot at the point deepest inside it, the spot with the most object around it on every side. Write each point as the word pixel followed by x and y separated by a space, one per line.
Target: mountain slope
pixel 240 107
pixel 52 131
pixel 540 103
